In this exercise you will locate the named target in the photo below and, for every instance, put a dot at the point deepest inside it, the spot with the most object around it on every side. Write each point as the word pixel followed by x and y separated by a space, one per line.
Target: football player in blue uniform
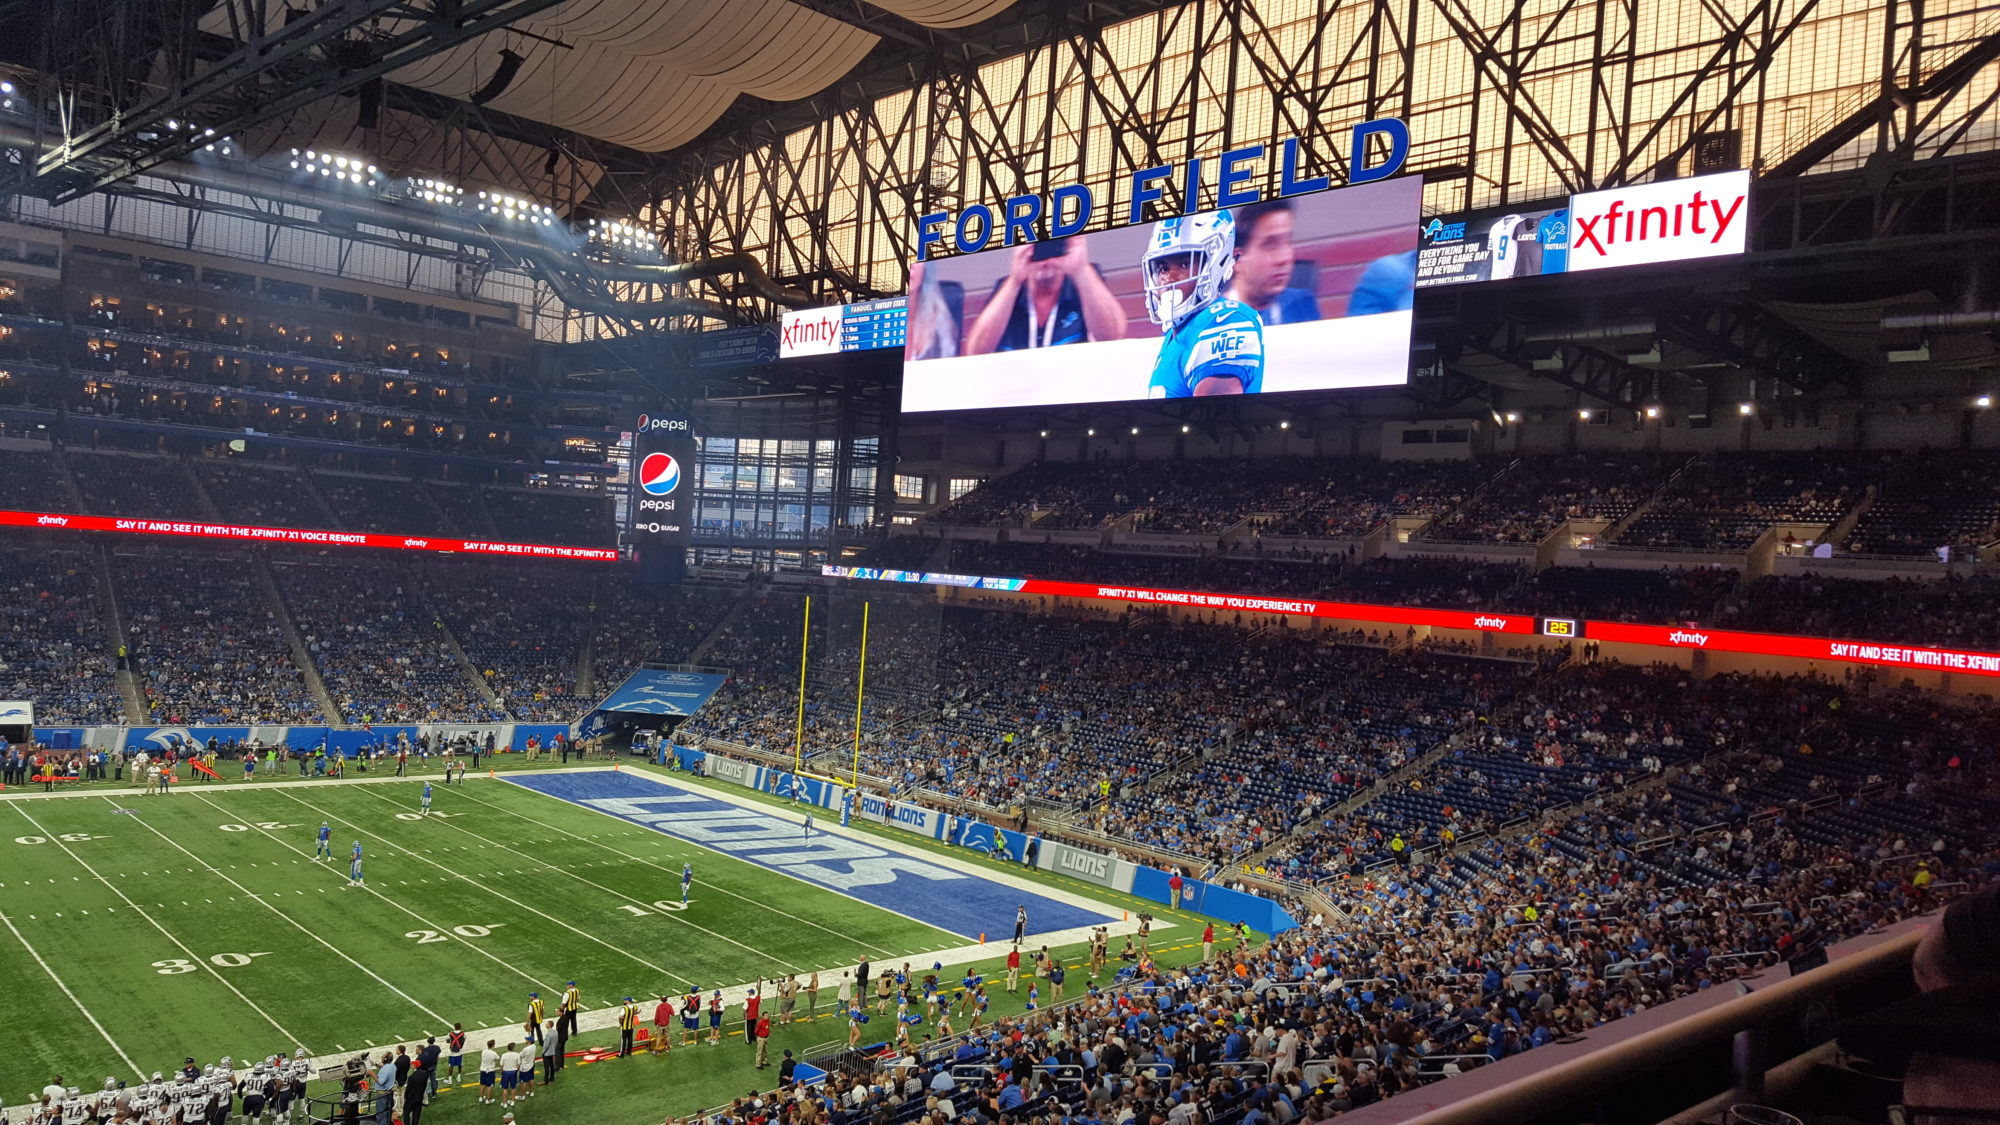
pixel 1213 345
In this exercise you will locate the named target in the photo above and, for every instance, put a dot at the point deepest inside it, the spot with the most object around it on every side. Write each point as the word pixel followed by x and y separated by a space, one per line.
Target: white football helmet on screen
pixel 1188 263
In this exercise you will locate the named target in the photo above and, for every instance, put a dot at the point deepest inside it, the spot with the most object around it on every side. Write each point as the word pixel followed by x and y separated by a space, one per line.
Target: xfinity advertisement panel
pixel 1305 292
pixel 1699 217
pixel 1645 224
pixel 663 476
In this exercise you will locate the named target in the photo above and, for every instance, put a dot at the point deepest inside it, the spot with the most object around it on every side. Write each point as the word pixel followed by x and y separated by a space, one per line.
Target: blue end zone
pixel 949 899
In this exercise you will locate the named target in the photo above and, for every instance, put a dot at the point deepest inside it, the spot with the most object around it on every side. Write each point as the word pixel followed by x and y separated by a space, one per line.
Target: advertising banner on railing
pixel 303 536
pixel 1885 655
pixel 1479 621
pixel 1808 648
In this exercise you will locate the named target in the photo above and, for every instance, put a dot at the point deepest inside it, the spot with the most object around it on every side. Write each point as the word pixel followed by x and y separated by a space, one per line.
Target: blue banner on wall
pixel 651 691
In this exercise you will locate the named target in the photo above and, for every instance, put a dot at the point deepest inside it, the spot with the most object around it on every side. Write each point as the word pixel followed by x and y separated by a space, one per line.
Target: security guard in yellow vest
pixel 535 1016
pixel 572 1002
pixel 628 1022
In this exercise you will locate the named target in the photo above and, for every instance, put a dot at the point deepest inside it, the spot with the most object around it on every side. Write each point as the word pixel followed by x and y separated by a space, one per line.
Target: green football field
pixel 139 930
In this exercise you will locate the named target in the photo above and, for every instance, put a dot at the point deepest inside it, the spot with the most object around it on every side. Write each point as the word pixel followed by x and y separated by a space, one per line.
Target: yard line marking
pixel 293 922
pixel 392 902
pixel 178 944
pixel 670 871
pixel 496 894
pixel 33 952
pixel 621 894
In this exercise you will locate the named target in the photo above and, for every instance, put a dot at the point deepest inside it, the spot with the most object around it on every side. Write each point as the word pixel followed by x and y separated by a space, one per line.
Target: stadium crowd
pixel 206 645
pixel 54 647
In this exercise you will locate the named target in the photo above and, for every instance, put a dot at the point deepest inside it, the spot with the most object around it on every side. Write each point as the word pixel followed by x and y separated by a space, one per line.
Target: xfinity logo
pixel 416 542
pixel 52 521
pixel 811 332
pixel 1097 867
pixel 1701 217
pixel 1489 622
pixel 1681 638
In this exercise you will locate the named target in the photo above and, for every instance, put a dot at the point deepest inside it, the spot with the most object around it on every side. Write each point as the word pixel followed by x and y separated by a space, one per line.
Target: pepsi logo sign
pixel 659 474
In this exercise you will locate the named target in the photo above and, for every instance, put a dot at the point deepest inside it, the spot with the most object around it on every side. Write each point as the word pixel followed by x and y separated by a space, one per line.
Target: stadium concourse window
pixel 909 489
pixel 962 485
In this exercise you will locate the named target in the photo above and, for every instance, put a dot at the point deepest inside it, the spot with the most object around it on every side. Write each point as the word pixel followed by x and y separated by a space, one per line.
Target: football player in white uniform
pixel 76 1109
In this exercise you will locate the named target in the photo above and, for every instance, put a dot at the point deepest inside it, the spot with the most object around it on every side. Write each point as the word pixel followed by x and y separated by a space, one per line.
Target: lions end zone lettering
pixel 1806 648
pixel 931 893
pixel 316 537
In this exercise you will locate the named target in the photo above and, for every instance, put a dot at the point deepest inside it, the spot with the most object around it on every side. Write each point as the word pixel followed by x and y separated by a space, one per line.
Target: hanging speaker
pixel 503 76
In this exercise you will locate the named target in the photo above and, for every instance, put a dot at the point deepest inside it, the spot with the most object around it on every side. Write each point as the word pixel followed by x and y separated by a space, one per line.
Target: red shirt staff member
pixel 1014 969
pixel 762 1034
pixel 1208 944
pixel 663 1026
pixel 751 1004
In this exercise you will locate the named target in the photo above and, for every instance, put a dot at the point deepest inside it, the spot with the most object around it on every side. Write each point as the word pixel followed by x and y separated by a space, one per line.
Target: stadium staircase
pixel 72 492
pixel 722 624
pixel 414 582
pixel 1473 497
pixel 1837 534
pixel 585 676
pixel 1392 780
pixel 301 656
pixel 203 500
pixel 318 497
pixel 1611 534
pixel 129 689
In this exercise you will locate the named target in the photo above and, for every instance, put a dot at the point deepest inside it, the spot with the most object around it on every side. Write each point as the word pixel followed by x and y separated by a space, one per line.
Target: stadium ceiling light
pixel 435 191
pixel 1135 431
pixel 1091 432
pixel 628 236
pixel 1184 428
pixel 1583 415
pixel 1045 433
pixel 1513 417
pixel 1983 401
pixel 1285 425
pixel 1745 408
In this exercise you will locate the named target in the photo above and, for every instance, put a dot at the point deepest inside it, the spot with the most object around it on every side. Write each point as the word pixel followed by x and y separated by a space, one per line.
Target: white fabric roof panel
pixel 943 13
pixel 652 74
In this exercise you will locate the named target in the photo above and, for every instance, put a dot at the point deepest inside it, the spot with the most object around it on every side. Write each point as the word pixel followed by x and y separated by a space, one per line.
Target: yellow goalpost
pixel 860 695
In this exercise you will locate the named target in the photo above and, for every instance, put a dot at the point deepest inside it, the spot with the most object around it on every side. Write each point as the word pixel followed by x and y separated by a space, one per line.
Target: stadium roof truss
pixel 1508 104
pixel 941 103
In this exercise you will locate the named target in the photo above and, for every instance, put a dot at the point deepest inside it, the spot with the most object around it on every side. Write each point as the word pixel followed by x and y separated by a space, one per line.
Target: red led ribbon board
pixel 1804 648
pixel 56 521
pixel 1659 636
pixel 1306 607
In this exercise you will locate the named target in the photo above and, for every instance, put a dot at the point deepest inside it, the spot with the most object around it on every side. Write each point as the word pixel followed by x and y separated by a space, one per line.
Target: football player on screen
pixel 1213 345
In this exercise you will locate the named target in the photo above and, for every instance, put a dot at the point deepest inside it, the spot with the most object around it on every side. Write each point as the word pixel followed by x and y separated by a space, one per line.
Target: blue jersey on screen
pixel 1553 233
pixel 1225 340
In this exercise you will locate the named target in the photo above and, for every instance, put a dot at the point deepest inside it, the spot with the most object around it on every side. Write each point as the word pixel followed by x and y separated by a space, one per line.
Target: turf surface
pixel 199 923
